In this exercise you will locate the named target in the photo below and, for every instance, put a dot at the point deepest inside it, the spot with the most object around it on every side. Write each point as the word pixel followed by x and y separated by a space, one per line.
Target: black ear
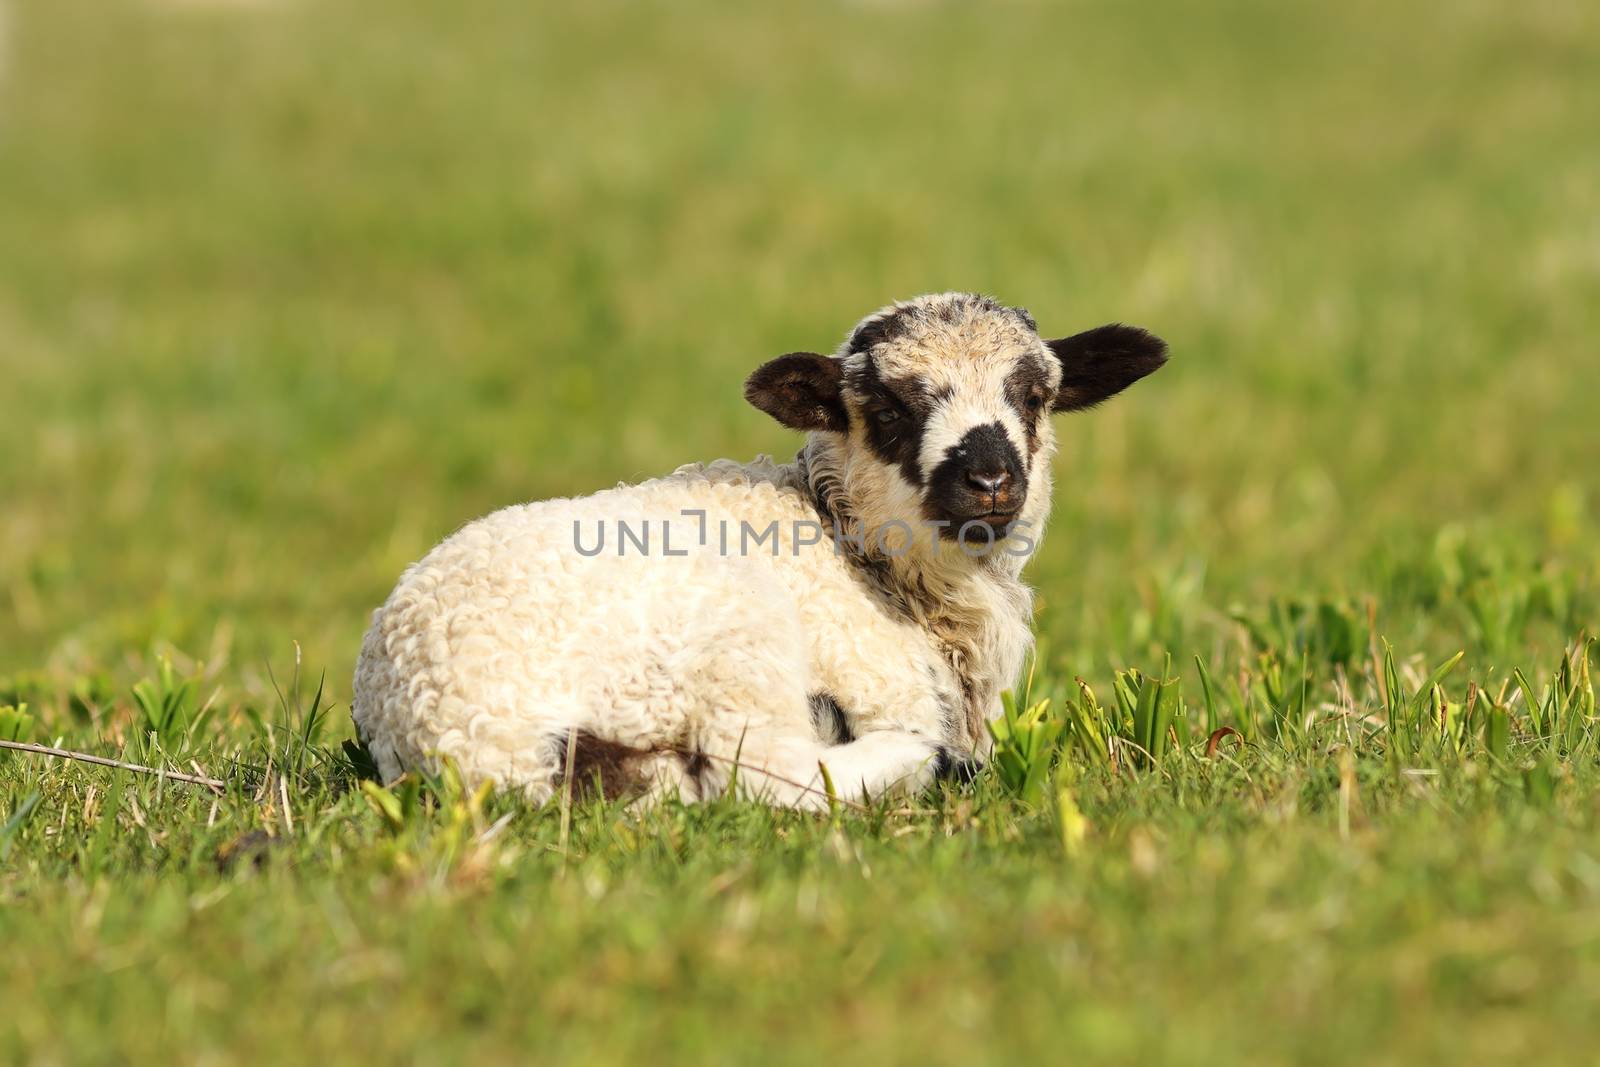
pixel 1098 364
pixel 800 390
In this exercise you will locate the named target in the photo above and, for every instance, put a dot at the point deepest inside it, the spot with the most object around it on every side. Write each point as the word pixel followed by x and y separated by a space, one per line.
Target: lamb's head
pixel 935 412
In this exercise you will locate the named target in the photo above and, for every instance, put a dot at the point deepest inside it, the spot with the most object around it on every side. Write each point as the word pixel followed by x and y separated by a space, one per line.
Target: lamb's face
pixel 943 407
pixel 948 402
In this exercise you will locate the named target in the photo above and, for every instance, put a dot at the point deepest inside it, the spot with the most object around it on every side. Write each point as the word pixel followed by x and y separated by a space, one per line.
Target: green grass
pixel 288 291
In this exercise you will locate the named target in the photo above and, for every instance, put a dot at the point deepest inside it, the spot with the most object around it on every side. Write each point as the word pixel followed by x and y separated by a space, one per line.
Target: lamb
pixel 843 622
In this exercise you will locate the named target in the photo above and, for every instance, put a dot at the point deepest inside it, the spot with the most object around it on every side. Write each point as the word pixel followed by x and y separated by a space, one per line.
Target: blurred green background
pixel 290 289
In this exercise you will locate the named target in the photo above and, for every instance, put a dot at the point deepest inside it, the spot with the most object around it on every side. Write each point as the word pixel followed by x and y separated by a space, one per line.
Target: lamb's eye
pixel 886 415
pixel 1034 403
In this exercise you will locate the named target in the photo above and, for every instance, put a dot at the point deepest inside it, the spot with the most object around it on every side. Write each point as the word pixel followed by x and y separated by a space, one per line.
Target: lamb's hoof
pixel 960 769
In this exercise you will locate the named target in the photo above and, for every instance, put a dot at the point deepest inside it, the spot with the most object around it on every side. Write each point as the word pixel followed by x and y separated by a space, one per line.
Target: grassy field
pixel 289 290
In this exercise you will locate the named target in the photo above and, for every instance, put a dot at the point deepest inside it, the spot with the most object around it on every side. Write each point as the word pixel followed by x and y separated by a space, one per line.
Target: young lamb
pixel 860 609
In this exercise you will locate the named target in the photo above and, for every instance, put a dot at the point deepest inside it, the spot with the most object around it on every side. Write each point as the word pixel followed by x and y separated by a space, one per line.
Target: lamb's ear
pixel 800 390
pixel 1098 364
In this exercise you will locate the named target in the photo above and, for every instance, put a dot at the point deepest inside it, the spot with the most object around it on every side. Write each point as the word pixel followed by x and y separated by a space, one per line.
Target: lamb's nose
pixel 988 482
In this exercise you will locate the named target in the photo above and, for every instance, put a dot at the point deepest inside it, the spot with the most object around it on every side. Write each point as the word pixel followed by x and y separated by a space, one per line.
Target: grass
pixel 290 291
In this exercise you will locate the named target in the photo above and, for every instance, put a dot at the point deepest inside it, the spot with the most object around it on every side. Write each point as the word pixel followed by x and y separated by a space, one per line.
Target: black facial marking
pixel 829 720
pixel 1028 393
pixel 956 490
pixel 886 327
pixel 895 413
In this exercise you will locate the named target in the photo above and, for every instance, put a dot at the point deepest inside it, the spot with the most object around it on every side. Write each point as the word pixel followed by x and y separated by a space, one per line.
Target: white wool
pixel 505 638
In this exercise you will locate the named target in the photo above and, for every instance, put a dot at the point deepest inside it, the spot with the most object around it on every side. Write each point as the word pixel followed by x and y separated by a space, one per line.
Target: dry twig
pixel 83 757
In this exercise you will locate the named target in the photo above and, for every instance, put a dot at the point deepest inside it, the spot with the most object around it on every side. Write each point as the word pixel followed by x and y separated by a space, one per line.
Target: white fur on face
pixel 977 398
pixel 961 350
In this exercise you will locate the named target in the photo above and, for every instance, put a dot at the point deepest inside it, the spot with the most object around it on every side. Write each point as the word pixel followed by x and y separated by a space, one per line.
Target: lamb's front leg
pixel 885 762
pixel 787 771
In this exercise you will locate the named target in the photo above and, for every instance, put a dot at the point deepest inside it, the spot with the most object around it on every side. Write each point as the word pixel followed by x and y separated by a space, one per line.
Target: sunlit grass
pixel 1305 770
